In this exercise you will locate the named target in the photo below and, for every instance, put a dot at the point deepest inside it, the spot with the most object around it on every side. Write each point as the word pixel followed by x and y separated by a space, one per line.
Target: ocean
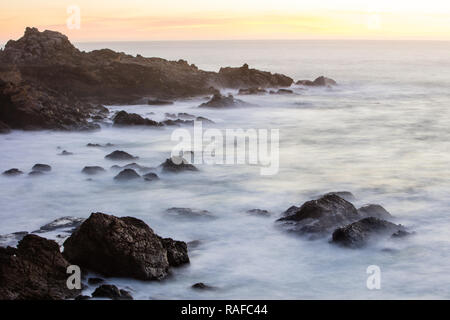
pixel 382 133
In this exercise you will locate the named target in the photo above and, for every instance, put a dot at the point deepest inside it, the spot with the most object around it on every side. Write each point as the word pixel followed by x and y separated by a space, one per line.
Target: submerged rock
pixel 374 210
pixel 12 172
pixel 150 176
pixel 126 175
pixel 318 217
pixel 319 82
pixel 123 118
pixel 189 213
pixel 65 153
pixel 120 155
pixel 92 170
pixel 282 91
pixel 259 212
pixel 111 292
pixel 201 286
pixel 36 270
pixel 219 101
pixel 119 247
pixel 36 173
pixel 41 167
pixel 170 166
pixel 359 234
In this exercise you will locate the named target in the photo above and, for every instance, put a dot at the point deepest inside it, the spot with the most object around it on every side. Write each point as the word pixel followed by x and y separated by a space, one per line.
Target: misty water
pixel 382 133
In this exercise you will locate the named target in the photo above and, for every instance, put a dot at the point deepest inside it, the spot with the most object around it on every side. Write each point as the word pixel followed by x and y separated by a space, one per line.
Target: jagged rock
pixel 41 167
pixel 189 213
pixel 252 91
pixel 118 247
pixel 120 155
pixel 157 102
pixel 358 234
pixel 12 172
pixel 61 223
pixel 36 270
pixel 170 166
pixel 219 101
pixel 92 170
pixel 318 217
pixel 127 175
pixel 111 292
pixel 177 252
pixel 319 82
pixel 123 118
pixel 150 176
pixel 374 210
pixel 259 212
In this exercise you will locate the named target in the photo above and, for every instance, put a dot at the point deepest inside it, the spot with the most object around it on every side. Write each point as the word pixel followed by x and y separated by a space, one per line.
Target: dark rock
pixel 133 166
pixel 4 128
pixel 126 175
pixel 41 167
pixel 97 145
pixel 66 153
pixel 118 247
pixel 219 101
pixel 170 166
pixel 177 252
pixel 61 223
pixel 12 172
pixel 259 212
pixel 374 210
pixel 92 170
pixel 282 91
pixel 204 120
pixel 252 91
pixel 82 297
pixel 150 176
pixel 318 217
pixel 319 82
pixel 201 286
pixel 358 234
pixel 346 195
pixel 94 281
pixel 123 118
pixel 111 292
pixel 245 77
pixel 186 116
pixel 36 270
pixel 120 155
pixel 189 213
pixel 157 102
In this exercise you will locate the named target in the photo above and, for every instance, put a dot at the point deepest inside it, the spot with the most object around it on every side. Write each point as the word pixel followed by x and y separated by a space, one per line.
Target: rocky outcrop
pixel 219 101
pixel 319 217
pixel 47 83
pixel 35 270
pixel 123 118
pixel 319 82
pixel 360 233
pixel 122 247
pixel 111 292
pixel 181 165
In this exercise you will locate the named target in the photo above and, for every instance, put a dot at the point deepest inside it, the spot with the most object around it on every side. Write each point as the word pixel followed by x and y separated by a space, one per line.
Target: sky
pixel 134 20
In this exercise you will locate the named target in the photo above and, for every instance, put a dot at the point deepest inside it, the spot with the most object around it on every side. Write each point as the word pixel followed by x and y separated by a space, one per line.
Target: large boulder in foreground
pixel 122 247
pixel 35 270
pixel 360 233
pixel 318 217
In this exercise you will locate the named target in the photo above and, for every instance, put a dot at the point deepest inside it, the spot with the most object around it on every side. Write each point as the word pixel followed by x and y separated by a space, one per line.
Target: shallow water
pixel 381 134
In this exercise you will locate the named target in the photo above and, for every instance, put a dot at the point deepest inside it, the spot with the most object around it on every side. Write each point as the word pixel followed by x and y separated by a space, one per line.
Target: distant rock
pixel 65 153
pixel 97 145
pixel 61 223
pixel 127 175
pixel 157 102
pixel 93 170
pixel 41 167
pixel 319 82
pixel 170 166
pixel 219 101
pixel 319 217
pixel 121 247
pixel 111 292
pixel 252 91
pixel 12 172
pixel 35 270
pixel 259 212
pixel 282 91
pixel 12 239
pixel 134 166
pixel 359 234
pixel 189 213
pixel 201 286
pixel 36 173
pixel 120 155
pixel 374 210
pixel 150 176
pixel 123 118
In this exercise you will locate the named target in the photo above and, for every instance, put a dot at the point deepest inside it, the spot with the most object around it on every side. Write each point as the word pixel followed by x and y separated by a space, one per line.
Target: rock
pixel 127 175
pixel 123 118
pixel 189 213
pixel 120 155
pixel 157 102
pixel 358 234
pixel 36 173
pixel 61 223
pixel 170 166
pixel 346 195
pixel 170 115
pixel 282 91
pixel 133 166
pixel 41 167
pixel 12 239
pixel 94 281
pixel 259 212
pixel 201 286
pixel 318 217
pixel 186 116
pixel 177 252
pixel 82 297
pixel 97 145
pixel 118 247
pixel 92 170
pixel 12 172
pixel 319 82
pixel 252 91
pixel 65 153
pixel 150 176
pixel 204 120
pixel 36 270
pixel 219 101
pixel 246 77
pixel 111 292
pixel 374 210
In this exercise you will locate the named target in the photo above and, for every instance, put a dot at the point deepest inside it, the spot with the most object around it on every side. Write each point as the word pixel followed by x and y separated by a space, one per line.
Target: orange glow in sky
pixel 103 20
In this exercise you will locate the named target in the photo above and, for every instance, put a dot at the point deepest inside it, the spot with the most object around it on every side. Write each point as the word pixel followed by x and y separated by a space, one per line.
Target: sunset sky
pixel 232 19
